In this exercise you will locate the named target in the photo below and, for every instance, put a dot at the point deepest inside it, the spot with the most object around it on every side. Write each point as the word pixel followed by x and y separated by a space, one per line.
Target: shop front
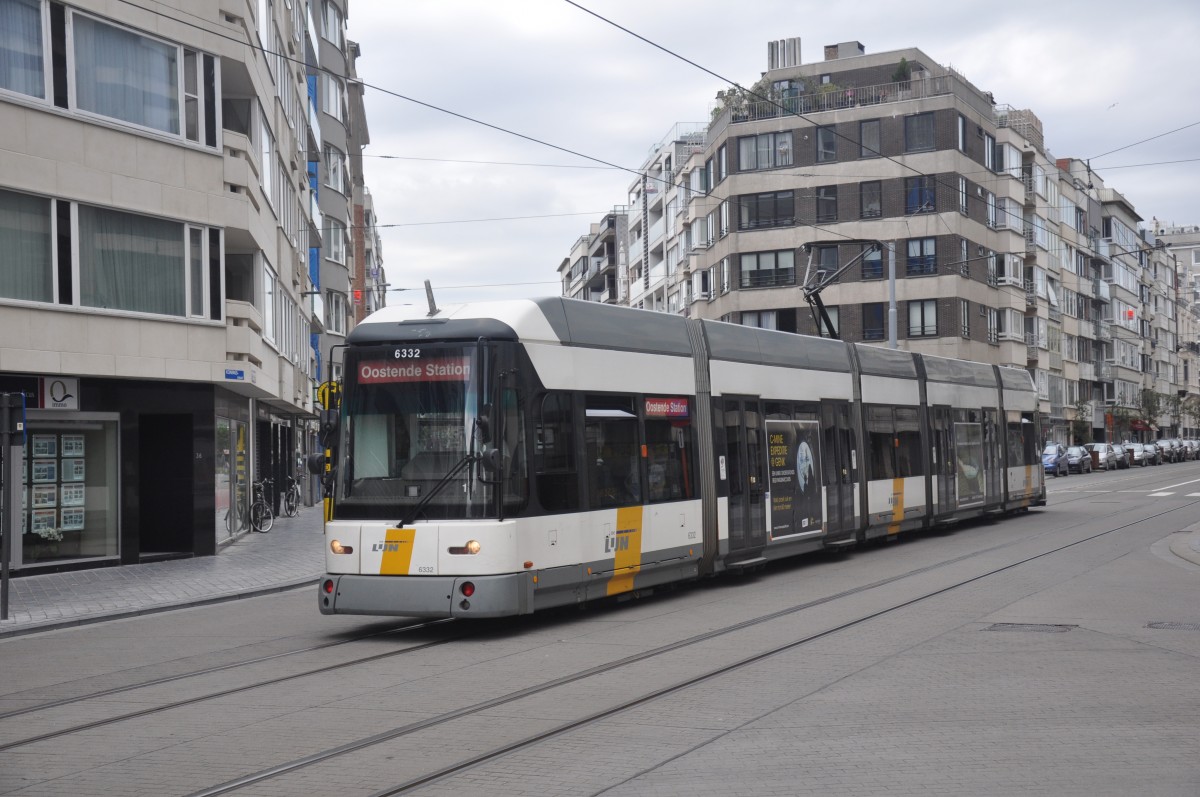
pixel 113 472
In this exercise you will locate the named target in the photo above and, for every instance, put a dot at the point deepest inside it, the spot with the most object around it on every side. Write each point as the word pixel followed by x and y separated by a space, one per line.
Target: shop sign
pixel 232 373
pixel 58 393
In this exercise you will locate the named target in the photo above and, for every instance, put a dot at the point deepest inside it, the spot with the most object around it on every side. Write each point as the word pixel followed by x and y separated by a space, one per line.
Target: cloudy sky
pixel 483 115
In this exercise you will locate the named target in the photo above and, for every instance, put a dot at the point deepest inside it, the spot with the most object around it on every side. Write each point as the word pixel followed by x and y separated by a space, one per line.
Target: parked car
pixel 1105 457
pixel 1168 451
pixel 1136 452
pixel 1191 447
pixel 1054 459
pixel 1154 455
pixel 1079 460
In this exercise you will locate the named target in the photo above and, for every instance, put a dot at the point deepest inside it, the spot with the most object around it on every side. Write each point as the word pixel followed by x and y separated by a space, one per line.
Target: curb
pixel 37 627
pixel 1186 545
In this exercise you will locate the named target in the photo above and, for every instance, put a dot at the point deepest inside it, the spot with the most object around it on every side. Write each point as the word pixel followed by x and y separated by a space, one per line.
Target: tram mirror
pixel 484 425
pixel 315 463
pixel 329 427
pixel 489 459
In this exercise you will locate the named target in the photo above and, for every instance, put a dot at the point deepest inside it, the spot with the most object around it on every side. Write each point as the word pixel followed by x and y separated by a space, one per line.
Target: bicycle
pixel 291 498
pixel 261 516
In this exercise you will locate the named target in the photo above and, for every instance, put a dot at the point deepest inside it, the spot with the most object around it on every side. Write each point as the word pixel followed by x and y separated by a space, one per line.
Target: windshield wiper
pixel 411 515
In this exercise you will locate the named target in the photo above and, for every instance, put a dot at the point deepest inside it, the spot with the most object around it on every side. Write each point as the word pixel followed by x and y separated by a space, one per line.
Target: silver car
pixel 1105 456
pixel 1137 454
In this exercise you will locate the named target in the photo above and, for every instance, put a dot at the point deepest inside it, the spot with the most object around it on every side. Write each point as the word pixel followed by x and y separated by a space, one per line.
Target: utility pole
pixel 12 439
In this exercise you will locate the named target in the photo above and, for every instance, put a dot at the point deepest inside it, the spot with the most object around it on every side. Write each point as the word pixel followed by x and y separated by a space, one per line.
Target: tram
pixel 501 458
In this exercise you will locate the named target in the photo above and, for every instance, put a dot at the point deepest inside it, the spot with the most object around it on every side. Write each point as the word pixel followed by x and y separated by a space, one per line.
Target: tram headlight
pixel 337 547
pixel 470 549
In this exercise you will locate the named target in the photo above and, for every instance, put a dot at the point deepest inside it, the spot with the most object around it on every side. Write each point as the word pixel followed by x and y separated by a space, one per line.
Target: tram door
pixel 992 440
pixel 745 470
pixel 840 466
pixel 944 459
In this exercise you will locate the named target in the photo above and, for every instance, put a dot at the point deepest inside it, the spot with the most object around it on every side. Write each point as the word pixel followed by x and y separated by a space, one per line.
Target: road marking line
pixel 1159 495
pixel 1193 495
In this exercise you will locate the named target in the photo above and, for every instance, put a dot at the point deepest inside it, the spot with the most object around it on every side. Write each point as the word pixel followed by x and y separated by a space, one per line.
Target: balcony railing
pixel 768 279
pixel 835 98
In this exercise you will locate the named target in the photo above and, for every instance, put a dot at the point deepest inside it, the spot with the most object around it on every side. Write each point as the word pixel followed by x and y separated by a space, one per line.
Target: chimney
pixel 844 50
pixel 783 53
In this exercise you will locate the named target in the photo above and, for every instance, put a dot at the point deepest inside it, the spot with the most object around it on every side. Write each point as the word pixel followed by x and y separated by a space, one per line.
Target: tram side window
pixel 557 475
pixel 881 436
pixel 670 450
pixel 516 481
pixel 612 451
pixel 1022 444
pixel 908 443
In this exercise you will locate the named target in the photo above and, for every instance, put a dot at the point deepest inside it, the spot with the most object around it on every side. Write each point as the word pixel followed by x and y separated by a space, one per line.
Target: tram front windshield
pixel 412 416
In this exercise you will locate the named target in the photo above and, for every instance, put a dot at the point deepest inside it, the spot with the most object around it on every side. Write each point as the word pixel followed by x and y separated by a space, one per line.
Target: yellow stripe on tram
pixel 397 552
pixel 627 553
pixel 897 505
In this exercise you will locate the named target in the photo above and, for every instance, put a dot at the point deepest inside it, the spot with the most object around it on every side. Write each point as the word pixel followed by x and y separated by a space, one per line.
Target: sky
pixel 488 119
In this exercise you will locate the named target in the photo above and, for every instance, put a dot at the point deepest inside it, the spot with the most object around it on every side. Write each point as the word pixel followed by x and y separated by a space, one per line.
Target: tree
pixel 1151 406
pixel 1122 417
pixel 1081 426
pixel 903 72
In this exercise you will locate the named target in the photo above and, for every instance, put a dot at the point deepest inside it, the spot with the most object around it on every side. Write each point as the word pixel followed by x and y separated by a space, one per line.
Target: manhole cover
pixel 1043 628
pixel 1175 626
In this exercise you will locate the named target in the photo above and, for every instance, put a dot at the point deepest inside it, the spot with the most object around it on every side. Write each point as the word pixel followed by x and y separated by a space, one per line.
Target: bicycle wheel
pixel 291 501
pixel 261 517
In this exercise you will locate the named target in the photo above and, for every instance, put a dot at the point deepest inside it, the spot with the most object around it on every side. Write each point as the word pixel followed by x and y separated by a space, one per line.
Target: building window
pixel 826 144
pixel 768 269
pixel 989 152
pixel 873 315
pixel 131 262
pixel 868 136
pixel 872 263
pixel 871 194
pixel 268 307
pixel 336 176
pixel 758 211
pixel 335 312
pixel 766 151
pixel 918 132
pixel 334 29
pixel 922 256
pixel 333 98
pixel 25 239
pixel 832 313
pixel 826 261
pixel 962 133
pixel 965 317
pixel 335 240
pixel 722 164
pixel 990 198
pixel 962 194
pixel 919 196
pixel 124 75
pixel 922 318
pixel 827 203
pixel 22 63
pixel 763 319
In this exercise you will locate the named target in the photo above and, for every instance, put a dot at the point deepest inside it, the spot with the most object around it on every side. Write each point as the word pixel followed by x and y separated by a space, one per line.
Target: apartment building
pixel 866 166
pixel 166 253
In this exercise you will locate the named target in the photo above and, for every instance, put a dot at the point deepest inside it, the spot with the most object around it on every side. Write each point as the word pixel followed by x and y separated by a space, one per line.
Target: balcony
pixel 1030 295
pixel 1101 291
pixel 835 98
pixel 1087 372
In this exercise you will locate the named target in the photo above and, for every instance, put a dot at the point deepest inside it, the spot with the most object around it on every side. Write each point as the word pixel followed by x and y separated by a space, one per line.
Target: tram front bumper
pixel 426 596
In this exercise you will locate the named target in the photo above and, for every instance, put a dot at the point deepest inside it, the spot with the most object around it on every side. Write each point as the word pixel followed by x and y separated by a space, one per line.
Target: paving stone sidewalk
pixel 288 556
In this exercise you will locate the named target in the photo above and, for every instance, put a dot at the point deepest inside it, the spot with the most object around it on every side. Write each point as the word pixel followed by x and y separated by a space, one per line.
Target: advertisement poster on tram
pixel 794 465
pixel 968 447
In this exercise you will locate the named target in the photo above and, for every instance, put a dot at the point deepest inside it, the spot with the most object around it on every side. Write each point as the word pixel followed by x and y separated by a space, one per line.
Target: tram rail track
pixel 440 773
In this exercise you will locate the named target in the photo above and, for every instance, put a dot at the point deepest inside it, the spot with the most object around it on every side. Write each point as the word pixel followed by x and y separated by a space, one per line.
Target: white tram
pixel 499 458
